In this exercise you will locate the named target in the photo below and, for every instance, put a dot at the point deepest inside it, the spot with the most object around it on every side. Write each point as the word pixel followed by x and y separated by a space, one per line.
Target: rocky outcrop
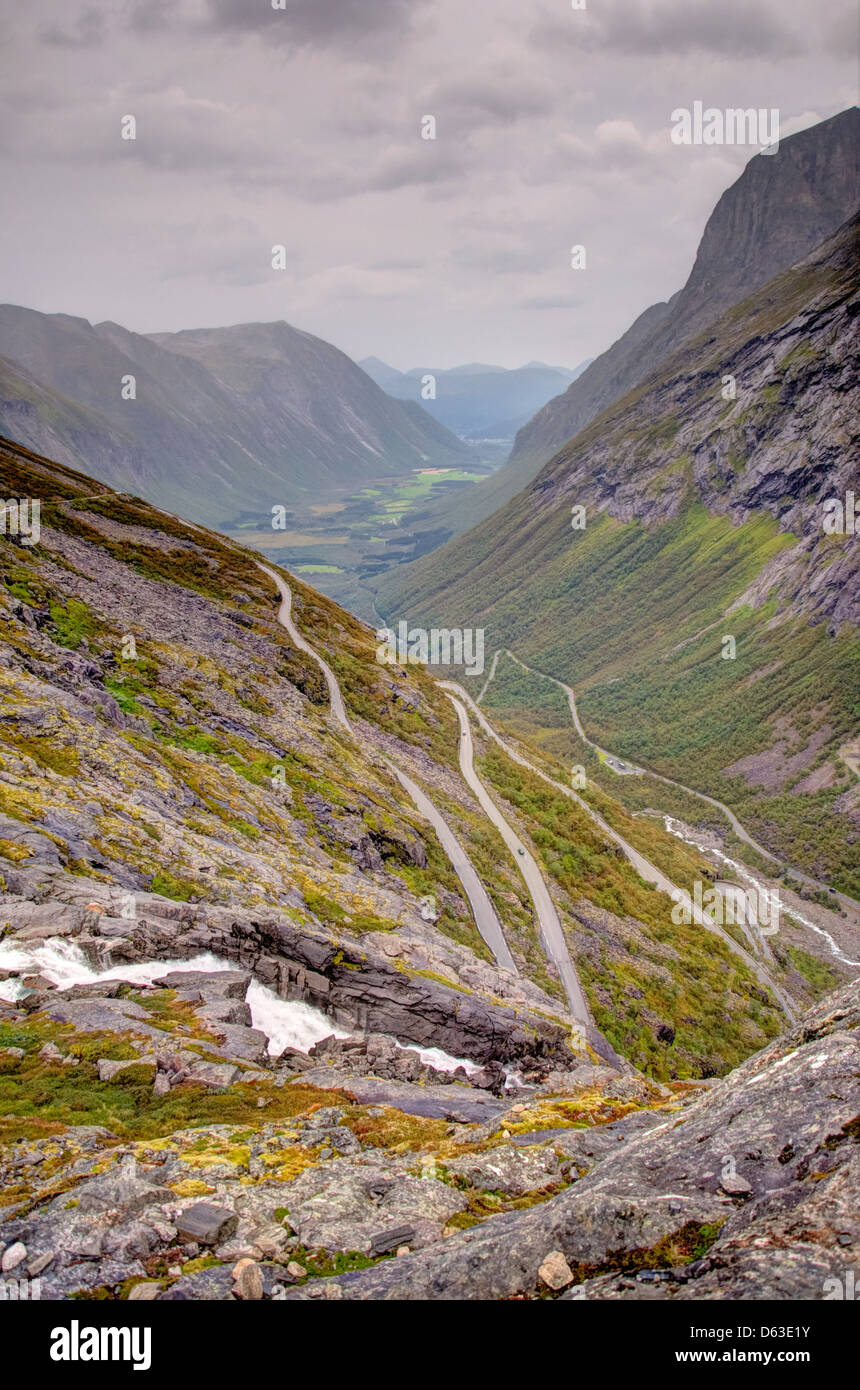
pixel 757 1181
pixel 357 987
pixel 594 1186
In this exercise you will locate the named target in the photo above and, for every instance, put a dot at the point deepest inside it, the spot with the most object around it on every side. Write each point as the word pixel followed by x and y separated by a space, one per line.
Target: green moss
pixel 73 622
pixel 171 886
pixel 322 1265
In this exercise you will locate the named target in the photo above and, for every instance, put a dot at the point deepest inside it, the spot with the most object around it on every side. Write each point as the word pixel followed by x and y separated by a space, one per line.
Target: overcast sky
pixel 302 126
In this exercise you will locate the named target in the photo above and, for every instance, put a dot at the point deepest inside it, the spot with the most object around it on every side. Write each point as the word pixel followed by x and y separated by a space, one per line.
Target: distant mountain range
pixel 224 423
pixel 477 401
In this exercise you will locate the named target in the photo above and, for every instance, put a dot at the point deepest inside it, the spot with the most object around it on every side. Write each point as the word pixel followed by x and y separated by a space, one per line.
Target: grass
pixel 38 1097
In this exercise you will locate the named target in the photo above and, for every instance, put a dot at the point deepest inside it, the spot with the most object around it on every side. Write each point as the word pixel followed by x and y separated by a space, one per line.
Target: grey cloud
pixel 839 29
pixel 734 28
pixel 87 32
pixel 318 23
pixel 396 264
pixel 236 253
pixel 498 99
pixel 149 16
pixel 538 303
pixel 527 258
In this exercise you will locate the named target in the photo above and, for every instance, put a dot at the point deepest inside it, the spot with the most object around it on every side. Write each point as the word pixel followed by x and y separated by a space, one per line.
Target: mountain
pixel 241 961
pixel 777 212
pixel 705 517
pixel 477 400
pixel 225 423
pixel 154 773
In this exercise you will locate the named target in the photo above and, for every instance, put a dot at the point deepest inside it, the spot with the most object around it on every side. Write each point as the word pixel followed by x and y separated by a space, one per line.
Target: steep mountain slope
pixel 162 737
pixel 477 401
pixel 766 1230
pixel 777 212
pixel 223 424
pixel 326 1176
pixel 705 517
pixel 204 829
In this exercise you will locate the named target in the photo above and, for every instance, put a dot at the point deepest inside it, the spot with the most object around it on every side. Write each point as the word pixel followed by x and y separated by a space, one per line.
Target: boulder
pixel 206 1223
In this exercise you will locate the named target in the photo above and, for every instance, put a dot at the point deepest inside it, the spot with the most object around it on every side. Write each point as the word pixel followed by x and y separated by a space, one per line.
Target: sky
pixel 302 127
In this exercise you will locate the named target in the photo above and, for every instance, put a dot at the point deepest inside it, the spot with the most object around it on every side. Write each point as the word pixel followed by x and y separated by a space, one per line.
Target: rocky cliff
pixel 776 213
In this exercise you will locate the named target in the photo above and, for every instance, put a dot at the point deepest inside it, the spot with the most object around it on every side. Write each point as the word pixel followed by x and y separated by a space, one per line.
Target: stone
pixel 103 1015
pixel 226 1011
pixel 508 1169
pixel 206 1223
pixel 214 1075
pixel 735 1186
pixel 270 1240
pixel 386 1241
pixel 11 1258
pixel 144 1293
pixel 40 1263
pixel 555 1272
pixel 247 1281
pixel 216 1283
pixel 343 1206
pixel 227 984
pixel 108 1070
pixel 295 1270
pixel 122 1190
pixel 244 1044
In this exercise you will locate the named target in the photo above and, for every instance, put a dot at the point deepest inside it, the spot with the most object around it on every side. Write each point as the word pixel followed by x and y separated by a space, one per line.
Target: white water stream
pixel 286 1023
pixel 743 873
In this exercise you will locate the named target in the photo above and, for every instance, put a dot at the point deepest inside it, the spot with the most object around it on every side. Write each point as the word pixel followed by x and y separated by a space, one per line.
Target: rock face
pixel 357 987
pixel 786 1120
pixel 777 212
pixel 744 1189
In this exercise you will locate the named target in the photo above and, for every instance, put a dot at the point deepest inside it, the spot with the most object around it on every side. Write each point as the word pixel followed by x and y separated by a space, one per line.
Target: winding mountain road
pixel 486 920
pixel 555 946
pixel 485 916
pixel 850 903
pixel 648 871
